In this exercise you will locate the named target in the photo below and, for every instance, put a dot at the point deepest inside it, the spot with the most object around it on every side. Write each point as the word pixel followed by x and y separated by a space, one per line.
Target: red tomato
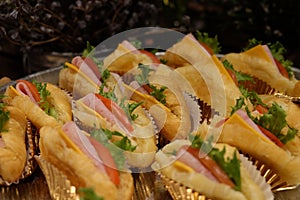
pixel 207 48
pixel 108 161
pixel 151 56
pixel 271 136
pixel 282 69
pixel 32 89
pixel 117 111
pixel 107 102
pixel 232 75
pixel 261 109
pixel 212 166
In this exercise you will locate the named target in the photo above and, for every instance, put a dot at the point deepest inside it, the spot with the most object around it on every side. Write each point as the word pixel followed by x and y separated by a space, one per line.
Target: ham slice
pixel 249 121
pixel 23 89
pixel 188 159
pixel 2 144
pixel 86 69
pixel 83 143
pixel 97 105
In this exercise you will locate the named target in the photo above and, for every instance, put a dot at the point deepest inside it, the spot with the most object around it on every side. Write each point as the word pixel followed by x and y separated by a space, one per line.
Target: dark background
pixel 30 27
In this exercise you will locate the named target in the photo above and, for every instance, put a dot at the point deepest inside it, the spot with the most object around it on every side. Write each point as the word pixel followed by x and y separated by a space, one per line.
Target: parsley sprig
pixel 4 117
pixel 231 166
pixel 88 194
pixel 275 122
pixel 211 42
pixel 240 76
pixel 44 103
pixel 116 148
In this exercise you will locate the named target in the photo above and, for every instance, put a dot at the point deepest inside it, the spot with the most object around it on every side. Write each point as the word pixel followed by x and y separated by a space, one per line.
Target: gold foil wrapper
pixel 31 140
pixel 60 188
pixel 259 86
pixel 271 177
pixel 179 191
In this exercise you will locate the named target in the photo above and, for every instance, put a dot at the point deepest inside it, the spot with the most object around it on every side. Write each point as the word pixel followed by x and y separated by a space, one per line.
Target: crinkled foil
pixel 272 178
pixel 60 187
pixel 31 141
pixel 259 86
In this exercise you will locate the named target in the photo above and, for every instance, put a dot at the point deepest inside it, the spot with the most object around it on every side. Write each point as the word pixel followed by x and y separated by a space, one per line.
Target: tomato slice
pixel 261 109
pixel 212 166
pixel 117 111
pixel 107 102
pixel 207 48
pixel 151 56
pixel 271 136
pixel 32 88
pixel 282 69
pixel 233 77
pixel 108 161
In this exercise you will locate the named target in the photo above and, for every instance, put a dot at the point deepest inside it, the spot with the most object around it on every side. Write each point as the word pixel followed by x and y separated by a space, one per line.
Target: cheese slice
pixel 69 142
pixel 73 67
pixel 180 166
pixel 259 52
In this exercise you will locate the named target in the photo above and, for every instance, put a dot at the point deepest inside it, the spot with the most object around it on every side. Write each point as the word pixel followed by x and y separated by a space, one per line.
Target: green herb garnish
pixel 240 76
pixel 211 42
pixel 142 78
pixel 116 148
pixel 230 166
pixel 89 50
pixel 240 102
pixel 4 117
pixel 44 103
pixel 88 194
pixel 252 96
pixel 129 108
pixel 158 93
pixel 275 121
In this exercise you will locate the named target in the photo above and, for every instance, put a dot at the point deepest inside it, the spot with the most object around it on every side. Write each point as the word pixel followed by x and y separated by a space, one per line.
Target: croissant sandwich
pixel 267 63
pixel 86 162
pixel 206 172
pixel 42 103
pixel 127 121
pixel 12 143
pixel 263 132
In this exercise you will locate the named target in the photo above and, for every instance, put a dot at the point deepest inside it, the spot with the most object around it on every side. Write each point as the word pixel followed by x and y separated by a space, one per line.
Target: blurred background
pixel 39 34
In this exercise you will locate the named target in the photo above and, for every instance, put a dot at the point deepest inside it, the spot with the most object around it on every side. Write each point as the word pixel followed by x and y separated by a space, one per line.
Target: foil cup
pixel 271 177
pixel 259 86
pixel 31 140
pixel 60 188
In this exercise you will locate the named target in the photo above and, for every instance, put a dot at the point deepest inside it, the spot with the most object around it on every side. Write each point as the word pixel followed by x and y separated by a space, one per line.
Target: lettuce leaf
pixel 230 166
pixel 211 42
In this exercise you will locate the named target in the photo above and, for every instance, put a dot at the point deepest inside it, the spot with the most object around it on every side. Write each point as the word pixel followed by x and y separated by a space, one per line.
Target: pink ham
pixel 97 105
pixel 129 46
pixel 189 160
pixel 83 143
pixel 2 144
pixel 84 67
pixel 268 52
pixel 135 85
pixel 23 89
pixel 249 121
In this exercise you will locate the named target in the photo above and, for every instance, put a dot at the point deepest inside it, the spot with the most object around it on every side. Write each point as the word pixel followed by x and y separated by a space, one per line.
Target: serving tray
pixel 147 185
